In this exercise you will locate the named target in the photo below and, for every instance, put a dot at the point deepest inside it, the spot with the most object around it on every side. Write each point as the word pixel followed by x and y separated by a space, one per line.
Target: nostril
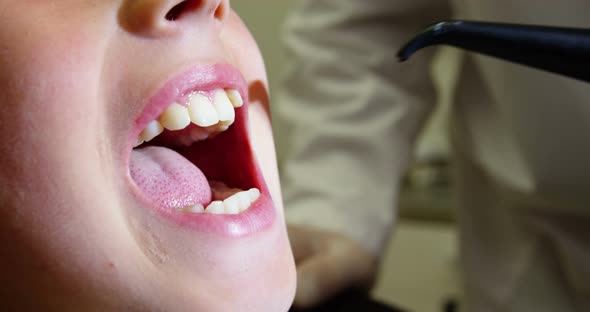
pixel 156 18
pixel 175 12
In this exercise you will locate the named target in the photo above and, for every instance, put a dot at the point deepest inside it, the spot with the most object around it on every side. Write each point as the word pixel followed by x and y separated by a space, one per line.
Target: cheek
pixel 48 76
pixel 242 46
pixel 50 114
pixel 49 71
pixel 49 105
pixel 55 181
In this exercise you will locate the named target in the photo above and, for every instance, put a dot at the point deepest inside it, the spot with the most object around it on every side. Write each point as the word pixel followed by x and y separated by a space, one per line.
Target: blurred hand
pixel 328 263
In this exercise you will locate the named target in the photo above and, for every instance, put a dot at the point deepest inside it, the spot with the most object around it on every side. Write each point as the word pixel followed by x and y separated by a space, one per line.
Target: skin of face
pixel 73 76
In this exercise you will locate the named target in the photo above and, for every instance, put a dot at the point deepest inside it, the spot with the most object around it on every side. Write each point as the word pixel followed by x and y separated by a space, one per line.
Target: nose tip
pixel 156 18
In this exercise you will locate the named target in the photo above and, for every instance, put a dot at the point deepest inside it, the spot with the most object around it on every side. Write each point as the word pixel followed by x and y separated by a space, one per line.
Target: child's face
pixel 87 221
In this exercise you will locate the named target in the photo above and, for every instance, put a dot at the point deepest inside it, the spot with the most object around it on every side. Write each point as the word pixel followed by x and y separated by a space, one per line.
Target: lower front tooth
pixel 244 199
pixel 254 194
pixel 196 208
pixel 235 204
pixel 215 207
pixel 232 204
pixel 232 209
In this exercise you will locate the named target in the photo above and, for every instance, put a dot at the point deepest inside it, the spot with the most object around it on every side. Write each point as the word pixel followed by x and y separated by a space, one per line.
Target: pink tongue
pixel 168 179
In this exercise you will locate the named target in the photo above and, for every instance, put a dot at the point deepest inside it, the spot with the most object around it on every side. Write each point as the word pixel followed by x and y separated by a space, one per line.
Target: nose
pixel 157 18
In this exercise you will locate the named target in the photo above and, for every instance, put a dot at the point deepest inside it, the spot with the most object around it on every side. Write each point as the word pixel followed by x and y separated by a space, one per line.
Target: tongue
pixel 168 179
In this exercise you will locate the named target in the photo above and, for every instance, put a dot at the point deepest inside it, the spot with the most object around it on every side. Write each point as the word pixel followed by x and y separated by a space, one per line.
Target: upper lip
pixel 195 78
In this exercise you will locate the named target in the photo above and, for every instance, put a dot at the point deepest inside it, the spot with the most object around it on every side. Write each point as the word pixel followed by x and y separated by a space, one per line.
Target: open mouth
pixel 192 157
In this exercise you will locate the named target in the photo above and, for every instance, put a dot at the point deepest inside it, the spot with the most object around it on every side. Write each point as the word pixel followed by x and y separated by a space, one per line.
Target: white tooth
pixel 152 130
pixel 138 142
pixel 198 208
pixel 201 111
pixel 175 117
pixel 215 207
pixel 232 209
pixel 223 106
pixel 254 194
pixel 199 134
pixel 244 198
pixel 232 204
pixel 235 97
pixel 224 125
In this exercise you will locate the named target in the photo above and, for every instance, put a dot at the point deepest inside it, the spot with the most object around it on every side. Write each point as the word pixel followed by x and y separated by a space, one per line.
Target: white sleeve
pixel 348 113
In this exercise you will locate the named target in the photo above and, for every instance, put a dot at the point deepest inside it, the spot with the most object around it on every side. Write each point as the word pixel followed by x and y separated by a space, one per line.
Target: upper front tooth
pixel 201 111
pixel 175 117
pixel 223 106
pixel 235 97
pixel 152 130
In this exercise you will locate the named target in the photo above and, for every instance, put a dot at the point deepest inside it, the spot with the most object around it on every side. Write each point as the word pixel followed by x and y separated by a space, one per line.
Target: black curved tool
pixel 565 51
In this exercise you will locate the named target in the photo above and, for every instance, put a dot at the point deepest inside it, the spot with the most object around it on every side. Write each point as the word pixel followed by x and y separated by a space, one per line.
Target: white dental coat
pixel 521 143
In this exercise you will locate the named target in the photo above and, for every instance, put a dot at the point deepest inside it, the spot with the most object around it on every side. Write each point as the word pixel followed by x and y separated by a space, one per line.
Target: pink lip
pixel 261 215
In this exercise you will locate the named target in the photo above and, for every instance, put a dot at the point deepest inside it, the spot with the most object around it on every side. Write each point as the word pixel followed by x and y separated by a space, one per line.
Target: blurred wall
pixel 265 19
